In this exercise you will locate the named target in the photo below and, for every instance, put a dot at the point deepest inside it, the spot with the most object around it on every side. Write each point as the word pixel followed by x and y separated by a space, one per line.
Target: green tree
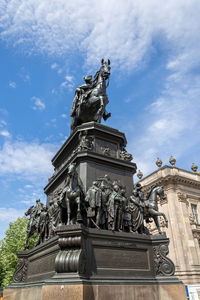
pixel 14 242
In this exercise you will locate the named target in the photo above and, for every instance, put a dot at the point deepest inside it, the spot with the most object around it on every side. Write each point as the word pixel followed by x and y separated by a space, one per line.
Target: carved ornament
pixel 21 272
pixel 182 197
pixel 71 257
pixel 106 151
pixel 196 233
pixel 163 266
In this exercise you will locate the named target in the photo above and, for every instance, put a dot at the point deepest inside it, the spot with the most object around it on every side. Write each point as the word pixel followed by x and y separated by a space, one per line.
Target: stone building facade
pixel 182 207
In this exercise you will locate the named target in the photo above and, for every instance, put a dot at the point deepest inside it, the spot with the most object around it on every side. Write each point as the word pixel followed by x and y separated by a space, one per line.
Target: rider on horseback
pixel 90 100
pixel 82 93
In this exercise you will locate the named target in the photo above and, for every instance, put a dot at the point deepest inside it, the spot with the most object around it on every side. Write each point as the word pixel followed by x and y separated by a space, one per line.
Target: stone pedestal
pixel 85 263
pixel 103 156
pixel 81 263
pixel 98 292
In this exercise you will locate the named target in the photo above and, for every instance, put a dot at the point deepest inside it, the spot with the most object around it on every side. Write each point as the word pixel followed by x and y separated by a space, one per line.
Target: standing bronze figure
pixel 90 99
pixel 134 216
pixel 116 203
pixel 93 201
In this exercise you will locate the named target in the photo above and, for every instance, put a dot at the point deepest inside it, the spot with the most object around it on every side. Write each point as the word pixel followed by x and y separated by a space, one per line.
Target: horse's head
pixel 29 211
pixel 156 190
pixel 105 69
pixel 160 191
pixel 71 169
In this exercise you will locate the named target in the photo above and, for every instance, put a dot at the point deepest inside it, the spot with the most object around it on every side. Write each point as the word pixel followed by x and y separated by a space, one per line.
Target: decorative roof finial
pixel 159 163
pixel 194 167
pixel 172 160
pixel 139 174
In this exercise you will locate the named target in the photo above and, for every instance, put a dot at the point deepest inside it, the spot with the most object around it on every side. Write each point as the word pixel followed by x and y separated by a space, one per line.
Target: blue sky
pixel 46 47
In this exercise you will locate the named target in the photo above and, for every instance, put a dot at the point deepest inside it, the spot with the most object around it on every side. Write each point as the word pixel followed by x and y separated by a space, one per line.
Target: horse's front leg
pixel 153 213
pixel 166 220
pixel 67 201
pixel 157 223
pixel 79 217
pixel 101 109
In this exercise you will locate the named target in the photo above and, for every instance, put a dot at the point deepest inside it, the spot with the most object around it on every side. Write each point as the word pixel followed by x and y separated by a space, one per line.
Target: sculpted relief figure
pixel 54 213
pixel 85 141
pixel 106 190
pixel 116 204
pixel 93 200
pixel 90 99
pixel 125 155
pixel 134 217
pixel 43 225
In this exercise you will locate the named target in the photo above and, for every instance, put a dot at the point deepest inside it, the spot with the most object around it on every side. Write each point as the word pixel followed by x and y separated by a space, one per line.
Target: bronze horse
pixel 72 195
pixel 93 108
pixel 151 206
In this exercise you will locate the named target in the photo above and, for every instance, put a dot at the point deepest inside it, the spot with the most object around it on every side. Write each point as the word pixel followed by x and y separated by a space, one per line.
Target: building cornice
pixel 174 176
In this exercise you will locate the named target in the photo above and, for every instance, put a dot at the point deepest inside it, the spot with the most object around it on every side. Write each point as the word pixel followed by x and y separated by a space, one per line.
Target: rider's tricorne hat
pixel 87 77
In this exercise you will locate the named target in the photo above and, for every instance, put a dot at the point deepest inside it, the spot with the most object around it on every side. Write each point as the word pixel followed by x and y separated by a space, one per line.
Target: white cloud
pixel 28 186
pixel 51 123
pixel 68 82
pixel 10 214
pixel 12 84
pixel 26 159
pixel 127 32
pixel 5 133
pixel 124 31
pixel 24 75
pixel 38 103
pixel 171 123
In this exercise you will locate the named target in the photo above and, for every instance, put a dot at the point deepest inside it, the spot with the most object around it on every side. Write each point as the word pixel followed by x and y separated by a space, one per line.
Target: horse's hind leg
pixel 156 213
pixel 166 220
pixel 157 223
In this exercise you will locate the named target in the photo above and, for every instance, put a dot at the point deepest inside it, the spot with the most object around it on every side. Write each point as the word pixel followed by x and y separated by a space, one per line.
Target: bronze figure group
pixel 103 206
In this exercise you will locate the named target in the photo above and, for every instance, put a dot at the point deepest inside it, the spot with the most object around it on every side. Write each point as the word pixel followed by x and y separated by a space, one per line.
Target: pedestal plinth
pixel 97 150
pixel 90 264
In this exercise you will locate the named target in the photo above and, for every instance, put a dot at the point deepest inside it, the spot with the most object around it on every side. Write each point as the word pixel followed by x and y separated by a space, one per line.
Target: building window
pixel 194 213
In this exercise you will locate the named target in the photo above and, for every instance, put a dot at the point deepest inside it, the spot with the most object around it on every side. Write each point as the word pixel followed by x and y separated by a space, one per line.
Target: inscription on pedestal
pixel 122 259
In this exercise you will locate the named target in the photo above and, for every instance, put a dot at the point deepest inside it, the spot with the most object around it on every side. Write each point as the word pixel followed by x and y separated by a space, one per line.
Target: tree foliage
pixel 14 242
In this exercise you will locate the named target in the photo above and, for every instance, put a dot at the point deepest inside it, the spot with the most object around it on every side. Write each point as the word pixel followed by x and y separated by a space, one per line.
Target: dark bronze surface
pixel 90 99
pixel 80 253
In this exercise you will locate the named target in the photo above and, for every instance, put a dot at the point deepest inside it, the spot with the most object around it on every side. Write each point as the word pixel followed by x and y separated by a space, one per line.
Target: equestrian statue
pixel 90 99
pixel 34 213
